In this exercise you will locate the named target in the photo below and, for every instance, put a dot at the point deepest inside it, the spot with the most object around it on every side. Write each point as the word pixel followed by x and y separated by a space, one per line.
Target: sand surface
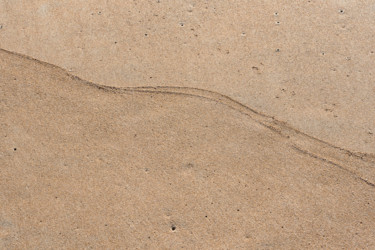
pixel 199 125
pixel 308 63
pixel 88 166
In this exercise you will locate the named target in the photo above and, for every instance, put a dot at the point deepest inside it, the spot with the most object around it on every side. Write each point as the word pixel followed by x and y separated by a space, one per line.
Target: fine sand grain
pixel 308 63
pixel 88 166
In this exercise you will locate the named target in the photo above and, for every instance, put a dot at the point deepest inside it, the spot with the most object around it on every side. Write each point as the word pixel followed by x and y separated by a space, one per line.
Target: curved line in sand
pixel 319 149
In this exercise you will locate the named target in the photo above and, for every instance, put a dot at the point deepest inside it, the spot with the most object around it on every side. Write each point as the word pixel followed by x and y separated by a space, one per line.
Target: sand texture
pixel 187 124
pixel 308 63
pixel 88 166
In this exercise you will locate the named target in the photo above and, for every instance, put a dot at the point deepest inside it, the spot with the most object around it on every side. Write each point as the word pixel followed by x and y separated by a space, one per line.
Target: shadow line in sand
pixel 297 140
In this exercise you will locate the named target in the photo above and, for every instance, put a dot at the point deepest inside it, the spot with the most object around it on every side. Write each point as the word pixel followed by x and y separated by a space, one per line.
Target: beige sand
pixel 88 166
pixel 308 63
pixel 203 124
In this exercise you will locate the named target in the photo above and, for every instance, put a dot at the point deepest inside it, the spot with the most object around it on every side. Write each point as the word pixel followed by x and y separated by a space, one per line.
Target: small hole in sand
pixel 173 228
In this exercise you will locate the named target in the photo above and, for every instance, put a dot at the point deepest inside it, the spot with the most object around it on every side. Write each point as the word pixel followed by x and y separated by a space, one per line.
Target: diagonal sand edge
pixel 363 163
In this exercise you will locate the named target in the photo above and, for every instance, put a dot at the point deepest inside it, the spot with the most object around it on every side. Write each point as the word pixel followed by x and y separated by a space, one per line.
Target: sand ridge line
pixel 334 164
pixel 270 122
pixel 321 150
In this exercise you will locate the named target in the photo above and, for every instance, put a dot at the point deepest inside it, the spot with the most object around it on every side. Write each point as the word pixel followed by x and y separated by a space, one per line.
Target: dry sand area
pixel 187 124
